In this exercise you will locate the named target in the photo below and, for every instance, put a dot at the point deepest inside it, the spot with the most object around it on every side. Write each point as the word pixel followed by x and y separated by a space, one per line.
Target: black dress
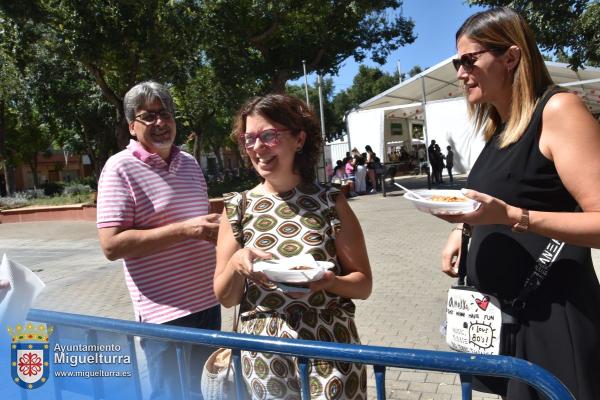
pixel 560 327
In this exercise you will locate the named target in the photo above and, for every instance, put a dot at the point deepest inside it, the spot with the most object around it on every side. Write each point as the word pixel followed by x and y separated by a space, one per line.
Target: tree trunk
pixel 278 81
pixel 106 145
pixel 217 151
pixel 5 190
pixel 9 178
pixel 87 135
pixel 2 134
pixel 33 164
pixel 198 146
pixel 122 131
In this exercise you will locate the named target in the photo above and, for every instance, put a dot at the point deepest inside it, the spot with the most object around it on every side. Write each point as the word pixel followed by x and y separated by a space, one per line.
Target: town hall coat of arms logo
pixel 30 355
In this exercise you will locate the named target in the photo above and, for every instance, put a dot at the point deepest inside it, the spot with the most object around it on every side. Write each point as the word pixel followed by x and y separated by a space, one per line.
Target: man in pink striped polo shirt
pixel 153 212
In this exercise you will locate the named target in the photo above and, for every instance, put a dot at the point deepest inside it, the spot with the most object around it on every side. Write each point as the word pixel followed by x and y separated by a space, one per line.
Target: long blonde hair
pixel 500 28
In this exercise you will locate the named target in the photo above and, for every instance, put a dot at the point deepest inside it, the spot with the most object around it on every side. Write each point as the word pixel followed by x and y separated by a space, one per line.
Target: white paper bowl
pixel 442 207
pixel 282 270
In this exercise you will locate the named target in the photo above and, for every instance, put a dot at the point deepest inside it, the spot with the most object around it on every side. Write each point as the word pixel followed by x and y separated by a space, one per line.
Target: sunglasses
pixel 270 137
pixel 150 118
pixel 467 60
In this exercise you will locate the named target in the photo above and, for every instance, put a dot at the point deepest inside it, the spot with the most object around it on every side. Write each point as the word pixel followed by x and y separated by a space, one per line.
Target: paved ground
pixel 405 309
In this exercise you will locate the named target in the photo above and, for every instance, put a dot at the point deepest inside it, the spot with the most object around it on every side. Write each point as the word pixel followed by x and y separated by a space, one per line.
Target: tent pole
pixel 320 84
pixel 305 82
pixel 424 102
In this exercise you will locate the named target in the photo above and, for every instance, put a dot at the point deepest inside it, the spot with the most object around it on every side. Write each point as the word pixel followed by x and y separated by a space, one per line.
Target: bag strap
pixel 533 282
pixel 540 272
pixel 243 205
pixel 237 315
pixel 242 212
pixel 464 249
pixel 236 321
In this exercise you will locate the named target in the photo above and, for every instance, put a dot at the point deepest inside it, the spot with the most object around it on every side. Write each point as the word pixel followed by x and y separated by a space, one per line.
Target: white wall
pixel 448 124
pixel 366 128
pixel 336 151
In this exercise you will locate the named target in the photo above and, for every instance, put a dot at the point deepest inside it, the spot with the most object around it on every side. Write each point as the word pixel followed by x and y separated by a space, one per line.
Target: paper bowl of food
pixel 299 269
pixel 441 201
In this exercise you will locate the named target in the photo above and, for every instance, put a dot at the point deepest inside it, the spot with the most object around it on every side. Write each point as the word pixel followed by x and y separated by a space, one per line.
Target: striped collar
pixel 150 158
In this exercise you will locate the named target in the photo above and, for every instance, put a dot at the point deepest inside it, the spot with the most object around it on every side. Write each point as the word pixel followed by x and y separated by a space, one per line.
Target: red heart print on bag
pixel 483 303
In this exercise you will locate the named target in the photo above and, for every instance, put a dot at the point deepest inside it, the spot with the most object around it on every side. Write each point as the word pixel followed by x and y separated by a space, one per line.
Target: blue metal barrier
pixel 380 357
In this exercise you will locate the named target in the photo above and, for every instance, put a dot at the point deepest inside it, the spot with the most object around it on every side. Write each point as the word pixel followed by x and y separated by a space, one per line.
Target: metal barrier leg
pixel 465 385
pixel 57 382
pixel 239 379
pixel 304 383
pixel 134 365
pixel 23 394
pixel 183 378
pixel 380 381
pixel 92 339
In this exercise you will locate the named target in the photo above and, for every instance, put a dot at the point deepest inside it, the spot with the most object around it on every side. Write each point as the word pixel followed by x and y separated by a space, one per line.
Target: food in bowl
pixel 448 199
pixel 300 268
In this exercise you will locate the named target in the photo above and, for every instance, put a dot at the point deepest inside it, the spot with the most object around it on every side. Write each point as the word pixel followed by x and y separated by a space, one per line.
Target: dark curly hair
pixel 295 115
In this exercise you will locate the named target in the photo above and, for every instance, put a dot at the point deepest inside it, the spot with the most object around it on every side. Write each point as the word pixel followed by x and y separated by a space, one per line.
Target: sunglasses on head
pixel 467 60
pixel 150 118
pixel 269 137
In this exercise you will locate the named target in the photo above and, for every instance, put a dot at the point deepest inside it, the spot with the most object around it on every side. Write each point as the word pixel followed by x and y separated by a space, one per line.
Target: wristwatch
pixel 523 224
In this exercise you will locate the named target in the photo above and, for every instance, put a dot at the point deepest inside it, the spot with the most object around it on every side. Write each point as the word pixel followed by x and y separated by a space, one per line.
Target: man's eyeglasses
pixel 150 118
pixel 467 60
pixel 270 137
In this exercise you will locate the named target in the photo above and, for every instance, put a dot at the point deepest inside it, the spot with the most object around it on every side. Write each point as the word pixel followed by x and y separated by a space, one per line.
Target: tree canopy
pixel 269 40
pixel 567 28
pixel 72 61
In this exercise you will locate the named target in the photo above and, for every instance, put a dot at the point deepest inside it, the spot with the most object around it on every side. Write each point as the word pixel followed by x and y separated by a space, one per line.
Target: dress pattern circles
pixel 301 221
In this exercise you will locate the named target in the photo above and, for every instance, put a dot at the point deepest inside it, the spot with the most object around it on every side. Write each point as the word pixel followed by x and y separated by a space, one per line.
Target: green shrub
pixel 235 185
pixel 13 202
pixel 30 194
pixel 75 189
pixel 89 181
pixel 53 188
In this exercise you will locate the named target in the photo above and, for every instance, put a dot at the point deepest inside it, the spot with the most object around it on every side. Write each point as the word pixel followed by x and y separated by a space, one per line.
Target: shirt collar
pixel 144 155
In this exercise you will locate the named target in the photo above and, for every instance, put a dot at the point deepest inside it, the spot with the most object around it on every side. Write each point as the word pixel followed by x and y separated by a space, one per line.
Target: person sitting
pixel 360 175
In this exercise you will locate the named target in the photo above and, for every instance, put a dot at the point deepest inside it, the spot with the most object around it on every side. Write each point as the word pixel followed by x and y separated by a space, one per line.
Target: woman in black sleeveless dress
pixel 540 162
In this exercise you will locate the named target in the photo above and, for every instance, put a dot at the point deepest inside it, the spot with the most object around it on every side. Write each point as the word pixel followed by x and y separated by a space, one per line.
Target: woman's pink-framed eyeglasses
pixel 270 137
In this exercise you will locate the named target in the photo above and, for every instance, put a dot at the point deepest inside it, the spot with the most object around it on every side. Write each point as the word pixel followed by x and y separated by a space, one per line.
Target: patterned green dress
pixel 300 221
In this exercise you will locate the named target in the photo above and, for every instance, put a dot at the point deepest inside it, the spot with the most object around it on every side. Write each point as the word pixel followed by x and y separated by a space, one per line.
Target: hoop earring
pixel 300 150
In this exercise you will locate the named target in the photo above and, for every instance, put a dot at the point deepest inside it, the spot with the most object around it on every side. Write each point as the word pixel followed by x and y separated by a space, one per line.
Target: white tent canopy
pixel 433 101
pixel 439 82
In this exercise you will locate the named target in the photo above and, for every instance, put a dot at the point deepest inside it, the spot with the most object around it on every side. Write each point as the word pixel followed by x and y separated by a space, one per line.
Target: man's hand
pixel 205 227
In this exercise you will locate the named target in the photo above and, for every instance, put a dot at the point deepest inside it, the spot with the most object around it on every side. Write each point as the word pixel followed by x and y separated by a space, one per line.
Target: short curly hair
pixel 294 114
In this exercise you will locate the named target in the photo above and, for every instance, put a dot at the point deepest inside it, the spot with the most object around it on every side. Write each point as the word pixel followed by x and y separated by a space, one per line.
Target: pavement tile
pixel 439 377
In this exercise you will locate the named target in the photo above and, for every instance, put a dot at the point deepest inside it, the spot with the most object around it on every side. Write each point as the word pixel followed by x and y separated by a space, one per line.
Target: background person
pixel 287 214
pixel 371 161
pixel 529 177
pixel 435 162
pixel 153 212
pixel 439 159
pixel 360 175
pixel 449 162
pixel 350 168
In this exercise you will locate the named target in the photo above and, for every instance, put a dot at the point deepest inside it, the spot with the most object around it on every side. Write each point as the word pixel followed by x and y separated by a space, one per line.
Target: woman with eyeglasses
pixel 539 163
pixel 290 214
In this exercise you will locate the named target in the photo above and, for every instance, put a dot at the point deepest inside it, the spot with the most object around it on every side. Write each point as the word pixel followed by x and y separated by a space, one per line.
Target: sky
pixel 436 22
